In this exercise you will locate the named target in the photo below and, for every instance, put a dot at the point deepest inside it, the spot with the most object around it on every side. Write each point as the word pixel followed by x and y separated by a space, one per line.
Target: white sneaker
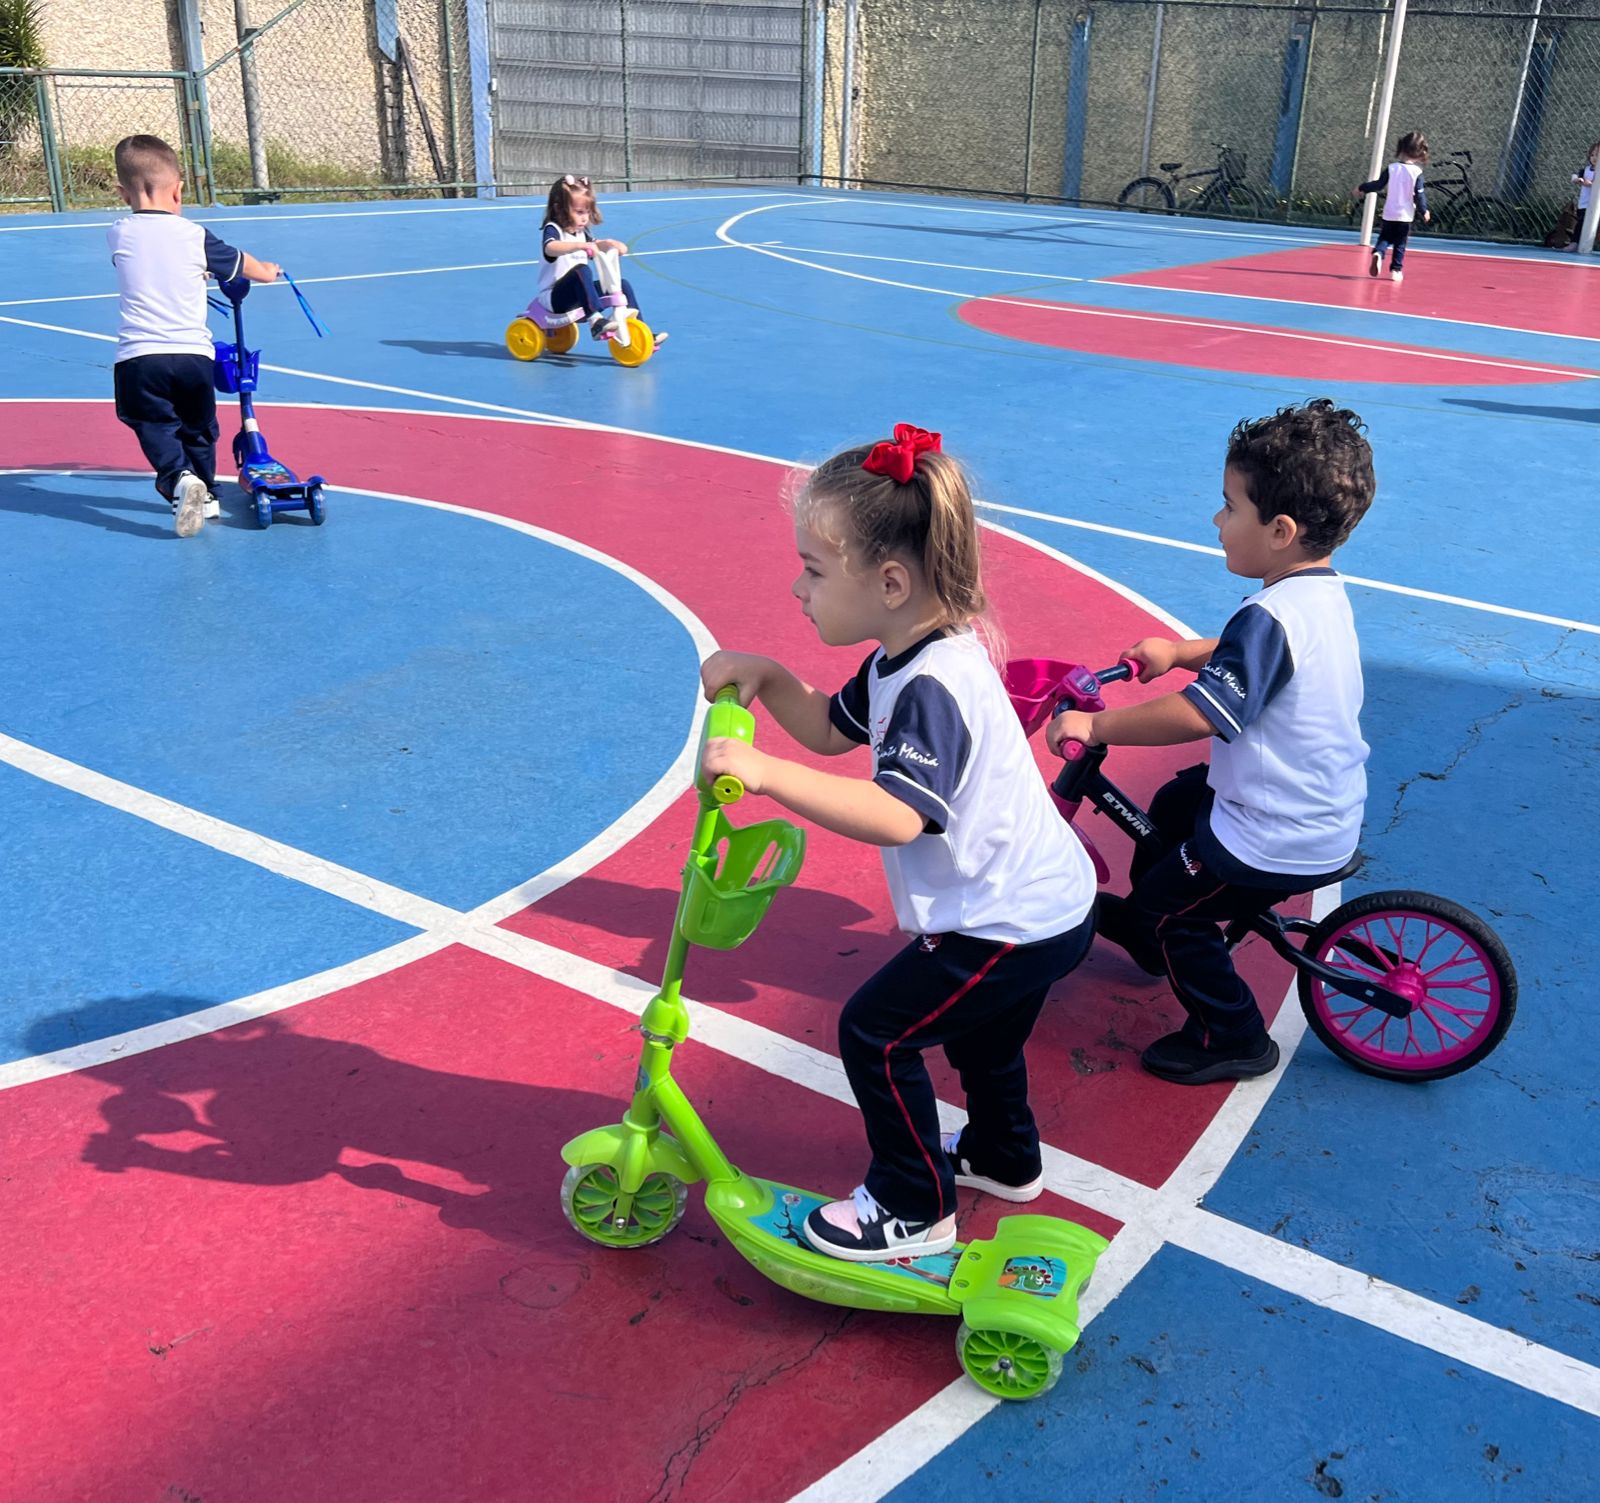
pixel 189 505
pixel 859 1230
pixel 1032 1190
pixel 1397 276
pixel 1376 264
pixel 213 507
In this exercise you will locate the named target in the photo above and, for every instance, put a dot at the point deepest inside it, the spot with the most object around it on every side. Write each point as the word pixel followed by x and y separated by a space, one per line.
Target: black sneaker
pixel 1179 1059
pixel 1111 922
pixel 859 1230
pixel 962 1168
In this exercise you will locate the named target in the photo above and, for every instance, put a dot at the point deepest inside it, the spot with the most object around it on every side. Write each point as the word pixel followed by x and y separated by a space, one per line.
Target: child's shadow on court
pixel 275 1105
pixel 806 942
pixel 46 496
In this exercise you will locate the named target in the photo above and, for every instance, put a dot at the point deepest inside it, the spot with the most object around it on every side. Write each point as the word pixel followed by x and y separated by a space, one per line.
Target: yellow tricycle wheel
pixel 559 341
pixel 525 339
pixel 640 347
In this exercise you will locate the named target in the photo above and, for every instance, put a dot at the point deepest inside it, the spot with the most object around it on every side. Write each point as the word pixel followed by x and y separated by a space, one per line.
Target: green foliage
pixel 21 34
pixel 230 163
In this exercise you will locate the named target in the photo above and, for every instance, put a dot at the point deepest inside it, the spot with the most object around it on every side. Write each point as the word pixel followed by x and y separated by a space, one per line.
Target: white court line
pixel 490 411
pixel 373 276
pixel 765 248
pixel 806 250
pixel 1566 623
pixel 1295 302
pixel 523 206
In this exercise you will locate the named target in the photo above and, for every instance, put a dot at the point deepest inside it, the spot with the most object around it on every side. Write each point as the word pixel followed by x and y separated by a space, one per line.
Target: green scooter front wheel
pixel 1006 1364
pixel 594 1202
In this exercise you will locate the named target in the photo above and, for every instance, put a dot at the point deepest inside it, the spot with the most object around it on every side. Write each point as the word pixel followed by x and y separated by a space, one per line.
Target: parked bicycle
pixel 1400 984
pixel 1219 190
pixel 1456 209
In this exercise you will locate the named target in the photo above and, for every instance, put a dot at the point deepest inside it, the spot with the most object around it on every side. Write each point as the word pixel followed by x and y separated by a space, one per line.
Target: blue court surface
pixel 364 837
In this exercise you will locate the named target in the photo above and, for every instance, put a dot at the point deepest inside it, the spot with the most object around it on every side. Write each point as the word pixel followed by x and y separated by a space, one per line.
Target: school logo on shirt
pixel 907 752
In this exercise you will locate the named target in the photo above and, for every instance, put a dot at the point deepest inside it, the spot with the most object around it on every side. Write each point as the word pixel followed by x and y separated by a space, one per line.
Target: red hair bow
pixel 898 460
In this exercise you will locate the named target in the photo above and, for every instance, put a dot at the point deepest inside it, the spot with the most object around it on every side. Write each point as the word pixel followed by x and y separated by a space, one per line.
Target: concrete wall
pixel 327 95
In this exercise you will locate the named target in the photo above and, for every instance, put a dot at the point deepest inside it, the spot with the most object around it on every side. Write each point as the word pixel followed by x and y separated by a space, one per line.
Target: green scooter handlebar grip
pixel 727 717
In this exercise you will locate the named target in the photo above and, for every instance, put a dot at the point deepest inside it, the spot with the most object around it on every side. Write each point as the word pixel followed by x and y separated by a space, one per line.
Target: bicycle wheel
pixel 1239 201
pixel 1147 193
pixel 1452 966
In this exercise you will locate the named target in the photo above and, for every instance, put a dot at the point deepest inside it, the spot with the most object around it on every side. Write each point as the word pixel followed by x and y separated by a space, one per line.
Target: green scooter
pixel 1016 1293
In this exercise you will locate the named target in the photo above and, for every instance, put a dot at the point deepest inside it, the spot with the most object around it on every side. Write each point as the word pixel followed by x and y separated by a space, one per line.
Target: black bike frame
pixel 1083 779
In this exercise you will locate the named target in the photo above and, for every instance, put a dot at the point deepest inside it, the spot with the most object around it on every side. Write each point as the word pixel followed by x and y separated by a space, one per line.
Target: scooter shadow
pixel 274 1104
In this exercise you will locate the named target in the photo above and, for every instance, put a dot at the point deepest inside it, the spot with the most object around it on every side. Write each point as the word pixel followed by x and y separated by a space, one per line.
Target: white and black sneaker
pixel 213 506
pixel 1375 265
pixel 189 504
pixel 859 1230
pixel 966 1175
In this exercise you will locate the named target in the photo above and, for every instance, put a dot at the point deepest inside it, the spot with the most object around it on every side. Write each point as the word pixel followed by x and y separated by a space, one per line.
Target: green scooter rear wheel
pixel 1006 1364
pixel 594 1203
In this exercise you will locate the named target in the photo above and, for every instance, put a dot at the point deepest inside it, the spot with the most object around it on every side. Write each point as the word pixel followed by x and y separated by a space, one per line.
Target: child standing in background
pixel 1401 185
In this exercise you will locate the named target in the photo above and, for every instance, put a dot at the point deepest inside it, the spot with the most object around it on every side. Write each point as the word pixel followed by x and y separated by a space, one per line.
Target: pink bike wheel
pixel 1444 958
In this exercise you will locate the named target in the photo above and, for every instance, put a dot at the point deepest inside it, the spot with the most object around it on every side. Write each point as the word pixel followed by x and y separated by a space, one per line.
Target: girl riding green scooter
pixel 991 885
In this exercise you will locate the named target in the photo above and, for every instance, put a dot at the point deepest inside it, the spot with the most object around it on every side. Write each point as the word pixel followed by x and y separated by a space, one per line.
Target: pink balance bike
pixel 1400 984
pixel 627 336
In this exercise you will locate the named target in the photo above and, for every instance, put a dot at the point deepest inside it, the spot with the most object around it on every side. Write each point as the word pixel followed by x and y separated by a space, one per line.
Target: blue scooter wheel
pixel 314 504
pixel 263 511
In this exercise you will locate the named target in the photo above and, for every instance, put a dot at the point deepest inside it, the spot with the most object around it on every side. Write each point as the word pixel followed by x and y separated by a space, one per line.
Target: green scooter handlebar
pixel 726 717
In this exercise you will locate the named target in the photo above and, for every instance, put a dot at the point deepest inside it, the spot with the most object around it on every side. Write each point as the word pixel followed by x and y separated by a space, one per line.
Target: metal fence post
pixel 252 97
pixel 1380 136
pixel 1591 221
pixel 1033 91
pixel 194 61
pixel 47 143
pixel 1516 104
pixel 847 107
pixel 627 135
pixel 1077 109
pixel 1290 107
pixel 1150 93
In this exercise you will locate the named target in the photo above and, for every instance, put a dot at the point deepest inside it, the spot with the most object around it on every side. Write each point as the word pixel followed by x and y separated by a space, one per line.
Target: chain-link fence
pixel 1255 108
pixel 325 98
pixel 1263 110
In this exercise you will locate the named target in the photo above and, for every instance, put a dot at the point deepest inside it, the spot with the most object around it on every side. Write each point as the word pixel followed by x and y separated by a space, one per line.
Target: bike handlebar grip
pixel 727 789
pixel 728 693
pixel 1136 666
pixel 1072 751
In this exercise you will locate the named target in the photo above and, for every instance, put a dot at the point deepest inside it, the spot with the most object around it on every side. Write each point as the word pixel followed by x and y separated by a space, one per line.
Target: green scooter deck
pixel 1026 1278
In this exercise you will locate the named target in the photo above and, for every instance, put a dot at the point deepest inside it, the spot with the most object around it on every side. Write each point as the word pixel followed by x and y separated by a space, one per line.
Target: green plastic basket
pixel 726 892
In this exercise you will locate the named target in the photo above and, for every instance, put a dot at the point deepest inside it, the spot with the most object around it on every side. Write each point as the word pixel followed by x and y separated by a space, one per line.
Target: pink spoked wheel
pixel 1443 958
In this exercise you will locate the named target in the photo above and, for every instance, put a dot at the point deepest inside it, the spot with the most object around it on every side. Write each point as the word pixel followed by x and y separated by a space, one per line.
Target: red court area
pixel 321 1254
pixel 1549 297
pixel 1540 296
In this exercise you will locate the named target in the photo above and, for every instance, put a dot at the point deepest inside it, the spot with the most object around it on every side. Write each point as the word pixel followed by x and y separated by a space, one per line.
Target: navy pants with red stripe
pixel 1182 896
pixel 979 1000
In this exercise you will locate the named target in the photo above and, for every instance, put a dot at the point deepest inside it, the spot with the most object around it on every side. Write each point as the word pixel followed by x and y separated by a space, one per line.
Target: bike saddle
pixel 1349 869
pixel 1169 166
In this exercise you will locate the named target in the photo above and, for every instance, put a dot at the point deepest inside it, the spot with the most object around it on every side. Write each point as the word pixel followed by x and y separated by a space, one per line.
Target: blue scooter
pixel 269 483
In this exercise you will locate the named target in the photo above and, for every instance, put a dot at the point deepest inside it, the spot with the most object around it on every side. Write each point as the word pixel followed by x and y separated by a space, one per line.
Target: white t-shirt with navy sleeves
pixel 553 268
pixel 995 859
pixel 162 261
pixel 1283 692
